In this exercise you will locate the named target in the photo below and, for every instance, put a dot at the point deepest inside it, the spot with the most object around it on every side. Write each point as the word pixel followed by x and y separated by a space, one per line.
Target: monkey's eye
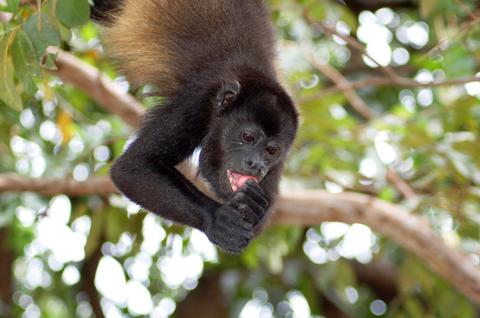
pixel 271 150
pixel 248 137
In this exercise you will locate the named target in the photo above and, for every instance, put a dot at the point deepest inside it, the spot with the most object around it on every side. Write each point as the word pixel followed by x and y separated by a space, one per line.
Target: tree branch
pixel 399 82
pixel 52 186
pixel 391 78
pixel 96 85
pixel 87 285
pixel 6 273
pixel 395 222
pixel 310 208
pixel 355 44
pixel 343 84
pixel 208 291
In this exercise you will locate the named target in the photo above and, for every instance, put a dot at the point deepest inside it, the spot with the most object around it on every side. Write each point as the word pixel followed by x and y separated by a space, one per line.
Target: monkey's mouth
pixel 237 180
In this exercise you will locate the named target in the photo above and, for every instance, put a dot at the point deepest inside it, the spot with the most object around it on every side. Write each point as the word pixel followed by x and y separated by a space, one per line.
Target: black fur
pixel 228 102
pixel 102 10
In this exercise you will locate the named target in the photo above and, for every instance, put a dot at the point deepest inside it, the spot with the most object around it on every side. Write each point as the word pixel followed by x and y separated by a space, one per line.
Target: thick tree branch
pixel 381 275
pixel 49 187
pixel 304 208
pixel 393 221
pixel 88 279
pixel 209 292
pixel 7 258
pixel 310 208
pixel 90 80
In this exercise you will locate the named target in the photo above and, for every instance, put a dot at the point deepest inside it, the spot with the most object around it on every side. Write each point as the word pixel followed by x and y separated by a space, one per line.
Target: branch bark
pixel 50 187
pixel 398 82
pixel 381 275
pixel 88 280
pixel 6 274
pixel 355 44
pixel 96 85
pixel 301 208
pixel 209 292
pixel 391 76
pixel 343 84
pixel 393 221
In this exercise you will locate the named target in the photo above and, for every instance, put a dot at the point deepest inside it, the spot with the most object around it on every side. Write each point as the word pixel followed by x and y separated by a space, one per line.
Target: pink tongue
pixel 242 179
pixel 237 180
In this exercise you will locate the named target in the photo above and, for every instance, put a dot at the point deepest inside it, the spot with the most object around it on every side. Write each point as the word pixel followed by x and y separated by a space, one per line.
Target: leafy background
pixel 100 255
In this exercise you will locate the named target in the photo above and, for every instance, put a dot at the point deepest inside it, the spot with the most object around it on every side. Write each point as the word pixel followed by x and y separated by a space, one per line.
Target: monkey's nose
pixel 254 167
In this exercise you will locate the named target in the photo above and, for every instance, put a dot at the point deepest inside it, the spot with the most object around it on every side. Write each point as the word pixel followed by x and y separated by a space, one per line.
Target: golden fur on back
pixel 159 41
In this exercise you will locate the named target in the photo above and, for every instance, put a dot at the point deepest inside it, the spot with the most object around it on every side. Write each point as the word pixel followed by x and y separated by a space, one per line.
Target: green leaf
pixel 427 7
pixel 117 220
pixel 414 308
pixel 458 61
pixel 42 33
pixel 73 13
pixel 25 61
pixel 89 32
pixel 135 223
pixel 12 5
pixel 65 33
pixel 387 194
pixel 8 91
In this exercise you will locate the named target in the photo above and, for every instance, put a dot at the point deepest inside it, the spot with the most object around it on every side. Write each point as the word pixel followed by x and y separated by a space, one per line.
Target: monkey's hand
pixel 232 225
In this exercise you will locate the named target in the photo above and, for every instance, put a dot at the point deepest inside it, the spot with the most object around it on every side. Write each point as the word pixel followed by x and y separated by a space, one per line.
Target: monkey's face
pixel 244 152
pixel 247 142
pixel 248 155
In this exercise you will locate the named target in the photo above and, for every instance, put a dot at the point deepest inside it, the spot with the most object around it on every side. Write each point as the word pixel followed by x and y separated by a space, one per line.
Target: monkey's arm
pixel 145 173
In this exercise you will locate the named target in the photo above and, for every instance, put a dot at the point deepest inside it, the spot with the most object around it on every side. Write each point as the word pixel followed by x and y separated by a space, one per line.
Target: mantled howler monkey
pixel 213 61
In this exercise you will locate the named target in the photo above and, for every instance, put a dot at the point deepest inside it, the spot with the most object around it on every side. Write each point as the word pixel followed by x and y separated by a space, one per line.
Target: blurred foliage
pixel 430 136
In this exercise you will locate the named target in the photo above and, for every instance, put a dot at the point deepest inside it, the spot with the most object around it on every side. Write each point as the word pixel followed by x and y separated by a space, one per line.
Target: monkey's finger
pixel 255 192
pixel 247 212
pixel 240 237
pixel 237 215
pixel 243 226
pixel 234 246
pixel 256 211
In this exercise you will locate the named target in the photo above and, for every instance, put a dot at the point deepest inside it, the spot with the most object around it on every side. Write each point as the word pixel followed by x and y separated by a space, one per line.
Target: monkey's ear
pixel 227 93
